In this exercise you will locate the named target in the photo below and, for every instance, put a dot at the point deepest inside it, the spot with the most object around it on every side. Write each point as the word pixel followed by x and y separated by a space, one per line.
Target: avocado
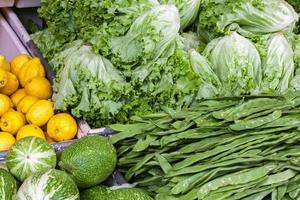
pixel 128 194
pixel 98 192
pixel 89 160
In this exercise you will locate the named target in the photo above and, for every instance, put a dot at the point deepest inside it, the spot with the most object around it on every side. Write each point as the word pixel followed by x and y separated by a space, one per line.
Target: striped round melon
pixel 8 186
pixel 50 185
pixel 30 155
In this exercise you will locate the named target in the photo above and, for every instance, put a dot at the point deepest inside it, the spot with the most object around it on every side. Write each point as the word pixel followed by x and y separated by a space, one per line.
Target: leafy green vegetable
pixel 47 43
pixel 150 36
pixel 210 82
pixel 188 10
pixel 255 16
pixel 87 83
pixel 277 63
pixel 236 62
pixel 99 22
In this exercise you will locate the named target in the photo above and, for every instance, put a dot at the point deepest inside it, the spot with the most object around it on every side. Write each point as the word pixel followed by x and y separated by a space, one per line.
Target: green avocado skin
pixel 89 160
pixel 128 194
pixel 99 192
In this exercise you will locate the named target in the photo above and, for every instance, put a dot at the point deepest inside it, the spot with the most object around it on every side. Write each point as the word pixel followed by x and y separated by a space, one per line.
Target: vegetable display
pixel 203 94
pixel 232 148
pixel 86 163
pixel 133 57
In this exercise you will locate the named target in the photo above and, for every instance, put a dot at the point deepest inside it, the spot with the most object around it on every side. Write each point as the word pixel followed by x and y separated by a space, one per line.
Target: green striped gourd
pixel 50 185
pixel 8 186
pixel 30 155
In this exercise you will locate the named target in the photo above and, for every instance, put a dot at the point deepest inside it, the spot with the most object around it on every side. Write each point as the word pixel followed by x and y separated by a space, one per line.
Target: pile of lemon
pixel 25 105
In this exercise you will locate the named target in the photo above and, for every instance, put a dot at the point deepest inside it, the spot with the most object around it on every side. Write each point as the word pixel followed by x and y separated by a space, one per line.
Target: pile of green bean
pixel 221 149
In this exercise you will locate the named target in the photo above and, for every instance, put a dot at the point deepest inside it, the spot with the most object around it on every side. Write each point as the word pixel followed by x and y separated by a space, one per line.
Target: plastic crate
pixel 10 45
pixel 6 3
pixel 27 3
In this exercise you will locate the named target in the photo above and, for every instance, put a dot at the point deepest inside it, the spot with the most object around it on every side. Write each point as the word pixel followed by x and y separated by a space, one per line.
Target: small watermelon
pixel 50 185
pixel 8 186
pixel 30 155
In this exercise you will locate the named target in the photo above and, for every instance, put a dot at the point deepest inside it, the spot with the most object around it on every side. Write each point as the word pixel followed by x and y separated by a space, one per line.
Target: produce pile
pixel 25 105
pixel 116 59
pixel 222 149
pixel 81 169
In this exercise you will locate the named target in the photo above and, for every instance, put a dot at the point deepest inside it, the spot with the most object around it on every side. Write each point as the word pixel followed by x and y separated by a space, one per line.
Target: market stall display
pixel 199 100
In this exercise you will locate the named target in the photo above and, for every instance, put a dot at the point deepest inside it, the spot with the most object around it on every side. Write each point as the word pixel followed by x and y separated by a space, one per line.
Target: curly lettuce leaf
pixel 255 16
pixel 98 22
pixel 47 43
pixel 58 15
pixel 88 84
pixel 148 37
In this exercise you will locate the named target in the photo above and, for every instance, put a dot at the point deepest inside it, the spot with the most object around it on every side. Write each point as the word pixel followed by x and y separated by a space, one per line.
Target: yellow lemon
pixel 18 61
pixel 12 121
pixel 40 113
pixel 18 96
pixel 7 140
pixel 5 104
pixel 4 64
pixel 3 77
pixel 62 127
pixel 25 104
pixel 30 130
pixel 11 109
pixel 31 69
pixel 11 86
pixel 39 87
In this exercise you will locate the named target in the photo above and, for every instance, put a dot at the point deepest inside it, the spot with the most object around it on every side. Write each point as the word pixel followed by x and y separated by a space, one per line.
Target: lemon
pixel 40 113
pixel 18 96
pixel 25 104
pixel 5 104
pixel 31 69
pixel 6 141
pixel 3 77
pixel 11 86
pixel 30 130
pixel 39 87
pixel 12 121
pixel 62 127
pixel 18 61
pixel 4 64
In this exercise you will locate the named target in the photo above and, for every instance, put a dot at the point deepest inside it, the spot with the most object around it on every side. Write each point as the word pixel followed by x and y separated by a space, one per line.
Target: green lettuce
pixel 95 22
pixel 58 15
pixel 255 16
pixel 100 21
pixel 150 35
pixel 47 43
pixel 188 10
pixel 236 62
pixel 88 84
pixel 191 40
pixel 210 83
pixel 277 63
